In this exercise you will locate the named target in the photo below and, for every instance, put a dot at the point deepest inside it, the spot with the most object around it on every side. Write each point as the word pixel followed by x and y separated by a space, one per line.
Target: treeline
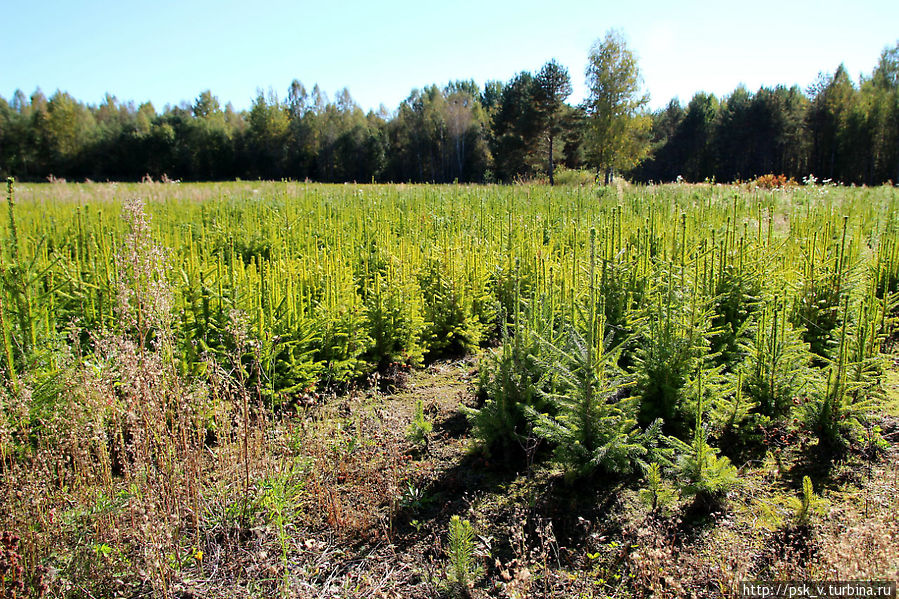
pixel 522 128
pixel 836 130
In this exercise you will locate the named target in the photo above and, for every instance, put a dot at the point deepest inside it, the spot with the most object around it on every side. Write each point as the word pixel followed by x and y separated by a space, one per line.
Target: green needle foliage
pixel 807 504
pixel 702 473
pixel 620 289
pixel 837 414
pixel 140 354
pixel 418 430
pixel 602 335
pixel 778 365
pixel 828 277
pixel 737 295
pixel 595 426
pixel 672 347
pixel 452 327
pixel 514 380
pixel 463 569
pixel 510 381
pixel 395 322
pixel 657 493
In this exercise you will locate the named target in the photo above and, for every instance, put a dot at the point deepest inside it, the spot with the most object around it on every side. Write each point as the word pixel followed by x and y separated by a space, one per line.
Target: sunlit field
pixel 304 390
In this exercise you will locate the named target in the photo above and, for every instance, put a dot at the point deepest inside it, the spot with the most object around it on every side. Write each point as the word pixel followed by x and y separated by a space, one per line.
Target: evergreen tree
pixel 552 86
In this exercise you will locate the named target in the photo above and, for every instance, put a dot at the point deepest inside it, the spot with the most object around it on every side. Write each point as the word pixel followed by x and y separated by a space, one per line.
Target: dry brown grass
pixel 122 499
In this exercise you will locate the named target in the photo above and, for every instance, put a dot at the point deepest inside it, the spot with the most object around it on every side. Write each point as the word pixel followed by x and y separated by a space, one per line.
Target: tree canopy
pixel 618 126
pixel 552 86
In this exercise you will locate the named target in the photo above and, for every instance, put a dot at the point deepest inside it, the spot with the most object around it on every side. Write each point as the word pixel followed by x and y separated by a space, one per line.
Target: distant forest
pixel 837 129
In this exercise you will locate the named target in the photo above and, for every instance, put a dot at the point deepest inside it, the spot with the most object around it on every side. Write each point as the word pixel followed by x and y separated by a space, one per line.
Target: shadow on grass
pixel 453 426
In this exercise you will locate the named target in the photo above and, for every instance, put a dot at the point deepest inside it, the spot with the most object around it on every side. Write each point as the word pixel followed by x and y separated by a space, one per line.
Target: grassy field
pixel 257 389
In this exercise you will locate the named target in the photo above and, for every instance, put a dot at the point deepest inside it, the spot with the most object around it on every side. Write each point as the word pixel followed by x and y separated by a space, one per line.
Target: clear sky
pixel 168 51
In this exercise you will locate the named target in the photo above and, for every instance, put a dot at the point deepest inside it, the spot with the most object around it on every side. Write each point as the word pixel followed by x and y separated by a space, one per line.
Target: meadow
pixel 305 390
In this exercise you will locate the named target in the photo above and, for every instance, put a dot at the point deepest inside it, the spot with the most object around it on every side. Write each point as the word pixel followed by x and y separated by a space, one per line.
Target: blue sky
pixel 169 51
